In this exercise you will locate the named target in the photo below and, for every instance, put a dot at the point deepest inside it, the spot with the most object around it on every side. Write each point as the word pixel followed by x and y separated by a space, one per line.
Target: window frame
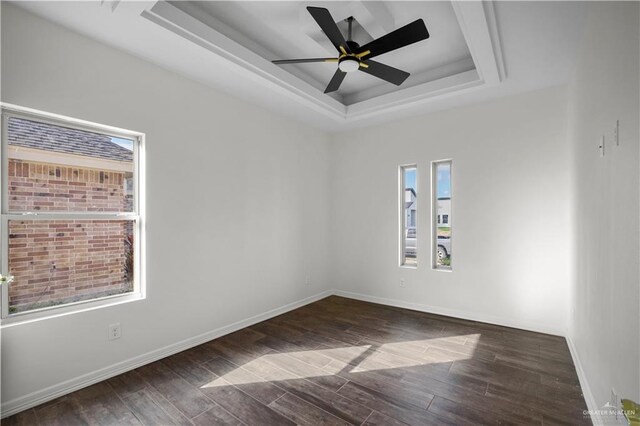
pixel 136 215
pixel 402 215
pixel 434 213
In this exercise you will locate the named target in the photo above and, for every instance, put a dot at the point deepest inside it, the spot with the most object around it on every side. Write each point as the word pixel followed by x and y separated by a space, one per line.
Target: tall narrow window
pixel 70 212
pixel 408 216
pixel 441 177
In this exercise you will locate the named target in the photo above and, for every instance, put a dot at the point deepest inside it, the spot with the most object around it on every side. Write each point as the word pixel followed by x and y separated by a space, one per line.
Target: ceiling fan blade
pixel 409 34
pixel 328 25
pixel 385 72
pixel 335 82
pixel 303 61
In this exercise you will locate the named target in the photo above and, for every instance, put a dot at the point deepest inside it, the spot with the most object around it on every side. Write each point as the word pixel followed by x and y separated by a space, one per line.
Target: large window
pixel 408 216
pixel 70 212
pixel 441 178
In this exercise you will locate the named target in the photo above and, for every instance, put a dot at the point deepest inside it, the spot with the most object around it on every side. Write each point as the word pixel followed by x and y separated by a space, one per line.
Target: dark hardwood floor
pixel 341 361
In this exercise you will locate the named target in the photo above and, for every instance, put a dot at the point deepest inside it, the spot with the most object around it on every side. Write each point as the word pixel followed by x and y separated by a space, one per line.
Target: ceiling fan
pixel 353 57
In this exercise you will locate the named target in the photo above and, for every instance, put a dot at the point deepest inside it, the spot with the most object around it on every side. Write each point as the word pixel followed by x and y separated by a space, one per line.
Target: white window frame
pixel 136 216
pixel 402 215
pixel 434 213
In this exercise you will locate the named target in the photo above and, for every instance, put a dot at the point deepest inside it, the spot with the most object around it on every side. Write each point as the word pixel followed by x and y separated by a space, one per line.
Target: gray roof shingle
pixel 32 134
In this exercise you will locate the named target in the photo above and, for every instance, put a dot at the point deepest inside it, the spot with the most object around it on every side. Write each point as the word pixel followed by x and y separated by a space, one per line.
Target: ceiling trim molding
pixel 477 22
pixel 411 96
pixel 186 26
pixel 492 23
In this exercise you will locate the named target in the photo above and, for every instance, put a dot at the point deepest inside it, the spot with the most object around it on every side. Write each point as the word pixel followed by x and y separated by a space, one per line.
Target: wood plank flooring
pixel 340 361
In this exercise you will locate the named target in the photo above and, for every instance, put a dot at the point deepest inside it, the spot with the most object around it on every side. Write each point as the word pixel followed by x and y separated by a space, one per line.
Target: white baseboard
pixel 589 399
pixel 41 396
pixel 523 325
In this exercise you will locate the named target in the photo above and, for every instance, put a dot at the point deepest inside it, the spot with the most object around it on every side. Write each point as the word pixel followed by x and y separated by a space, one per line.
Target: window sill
pixel 408 266
pixel 69 309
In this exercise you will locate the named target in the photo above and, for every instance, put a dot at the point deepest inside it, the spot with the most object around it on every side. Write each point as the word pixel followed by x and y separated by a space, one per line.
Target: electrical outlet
pixel 115 332
pixel 401 283
pixel 307 280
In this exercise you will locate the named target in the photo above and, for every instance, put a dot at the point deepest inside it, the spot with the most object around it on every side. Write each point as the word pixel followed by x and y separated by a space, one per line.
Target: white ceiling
pixel 285 30
pixel 515 46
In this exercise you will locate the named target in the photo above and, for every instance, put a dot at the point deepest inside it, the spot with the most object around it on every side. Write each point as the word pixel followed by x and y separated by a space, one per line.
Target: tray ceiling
pixel 462 52
pixel 221 44
pixel 284 30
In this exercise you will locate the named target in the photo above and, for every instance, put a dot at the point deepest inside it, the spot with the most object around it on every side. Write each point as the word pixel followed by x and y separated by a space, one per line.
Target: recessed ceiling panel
pixel 285 30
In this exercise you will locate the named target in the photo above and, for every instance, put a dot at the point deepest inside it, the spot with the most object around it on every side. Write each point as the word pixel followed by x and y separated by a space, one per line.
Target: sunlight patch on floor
pixel 273 367
pixel 473 340
pixel 349 359
pixel 415 353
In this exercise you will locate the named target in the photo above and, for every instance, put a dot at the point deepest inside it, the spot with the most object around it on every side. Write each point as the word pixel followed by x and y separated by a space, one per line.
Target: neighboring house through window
pixel 441 198
pixel 70 210
pixel 409 214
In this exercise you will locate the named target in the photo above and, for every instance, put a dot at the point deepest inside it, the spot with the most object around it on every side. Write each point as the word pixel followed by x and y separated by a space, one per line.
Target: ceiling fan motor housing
pixel 353 46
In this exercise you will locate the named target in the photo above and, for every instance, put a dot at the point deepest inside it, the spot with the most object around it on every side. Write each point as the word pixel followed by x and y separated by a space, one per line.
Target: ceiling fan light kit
pixel 348 64
pixel 353 57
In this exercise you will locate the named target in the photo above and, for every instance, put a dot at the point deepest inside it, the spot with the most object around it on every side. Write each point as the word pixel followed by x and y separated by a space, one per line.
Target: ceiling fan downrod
pixel 350 43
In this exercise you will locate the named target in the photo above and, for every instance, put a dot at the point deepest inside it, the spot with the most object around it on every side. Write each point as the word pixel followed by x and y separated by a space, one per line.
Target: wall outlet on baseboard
pixel 307 279
pixel 115 332
pixel 401 283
